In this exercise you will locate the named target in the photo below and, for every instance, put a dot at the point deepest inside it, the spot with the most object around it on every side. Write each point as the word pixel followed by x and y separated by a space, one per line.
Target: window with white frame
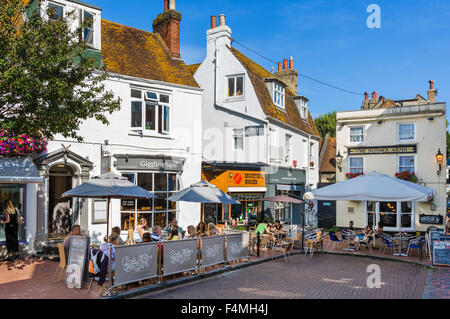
pixel 235 85
pixel 356 165
pixel 406 132
pixel 288 147
pixel 150 111
pixel 397 216
pixel 238 139
pixel 278 94
pixel 357 134
pixel 88 31
pixel 406 163
pixel 55 11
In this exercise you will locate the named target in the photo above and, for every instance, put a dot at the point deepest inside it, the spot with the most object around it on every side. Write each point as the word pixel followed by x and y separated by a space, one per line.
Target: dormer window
pixel 279 95
pixel 235 85
pixel 88 31
pixel 55 11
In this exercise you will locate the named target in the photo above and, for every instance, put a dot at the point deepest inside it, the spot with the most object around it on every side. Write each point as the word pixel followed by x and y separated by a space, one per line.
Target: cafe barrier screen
pixel 237 246
pixel 135 262
pixel 179 256
pixel 213 250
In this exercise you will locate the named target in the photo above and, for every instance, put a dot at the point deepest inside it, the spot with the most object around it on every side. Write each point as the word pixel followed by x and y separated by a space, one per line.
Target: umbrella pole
pixel 303 226
pixel 107 218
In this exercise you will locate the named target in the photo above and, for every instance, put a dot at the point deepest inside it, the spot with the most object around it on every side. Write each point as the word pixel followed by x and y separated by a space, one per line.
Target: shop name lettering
pixel 252 179
pixel 153 165
pixel 261 309
pixel 383 150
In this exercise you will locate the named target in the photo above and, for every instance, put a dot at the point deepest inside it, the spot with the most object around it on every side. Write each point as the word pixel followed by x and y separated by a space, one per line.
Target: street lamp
pixel 439 160
pixel 339 159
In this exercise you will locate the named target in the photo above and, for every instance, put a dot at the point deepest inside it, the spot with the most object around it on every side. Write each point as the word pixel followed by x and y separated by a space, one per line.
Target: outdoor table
pixel 401 240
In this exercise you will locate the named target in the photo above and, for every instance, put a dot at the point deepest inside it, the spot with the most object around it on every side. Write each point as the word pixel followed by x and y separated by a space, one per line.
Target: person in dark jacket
pixel 12 220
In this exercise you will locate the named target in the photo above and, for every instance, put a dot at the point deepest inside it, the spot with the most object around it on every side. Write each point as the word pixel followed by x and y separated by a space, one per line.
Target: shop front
pixel 285 181
pixel 246 184
pixel 18 179
pixel 159 175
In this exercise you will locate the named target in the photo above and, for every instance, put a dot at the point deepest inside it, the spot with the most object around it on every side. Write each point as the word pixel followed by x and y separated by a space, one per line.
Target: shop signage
pixel 441 253
pixel 246 178
pixel 254 130
pixel 396 149
pixel 76 265
pixel 287 176
pixel 431 219
pixel 151 164
pixel 135 262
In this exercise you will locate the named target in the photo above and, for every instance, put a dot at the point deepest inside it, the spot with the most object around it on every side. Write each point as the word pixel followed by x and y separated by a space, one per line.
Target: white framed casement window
pixel 397 216
pixel 406 132
pixel 357 134
pixel 150 111
pixel 278 95
pixel 56 11
pixel 235 85
pixel 88 31
pixel 238 139
pixel 356 165
pixel 406 163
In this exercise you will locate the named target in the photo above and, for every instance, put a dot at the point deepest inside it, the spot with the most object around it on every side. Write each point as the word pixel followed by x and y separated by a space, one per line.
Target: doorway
pixel 60 209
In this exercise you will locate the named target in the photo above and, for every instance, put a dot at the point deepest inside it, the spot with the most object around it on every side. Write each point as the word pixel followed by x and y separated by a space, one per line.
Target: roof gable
pixel 132 52
pixel 290 115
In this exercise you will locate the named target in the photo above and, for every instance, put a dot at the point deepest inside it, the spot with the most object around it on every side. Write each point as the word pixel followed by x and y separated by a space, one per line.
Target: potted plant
pixel 17 145
pixel 407 176
pixel 311 164
pixel 353 175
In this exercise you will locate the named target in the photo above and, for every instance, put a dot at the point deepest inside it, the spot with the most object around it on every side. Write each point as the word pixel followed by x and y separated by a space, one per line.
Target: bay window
pixel 156 115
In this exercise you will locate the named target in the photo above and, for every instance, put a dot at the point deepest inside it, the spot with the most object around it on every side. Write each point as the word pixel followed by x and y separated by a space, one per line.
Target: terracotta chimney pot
pixel 280 66
pixel 213 22
pixel 285 64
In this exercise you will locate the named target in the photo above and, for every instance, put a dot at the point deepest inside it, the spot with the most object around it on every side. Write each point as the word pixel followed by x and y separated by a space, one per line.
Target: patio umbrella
pixel 203 192
pixel 287 199
pixel 108 186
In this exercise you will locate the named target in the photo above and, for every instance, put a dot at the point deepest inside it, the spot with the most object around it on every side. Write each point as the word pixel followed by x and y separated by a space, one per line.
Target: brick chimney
pixel 288 75
pixel 167 24
pixel 432 93
pixel 365 105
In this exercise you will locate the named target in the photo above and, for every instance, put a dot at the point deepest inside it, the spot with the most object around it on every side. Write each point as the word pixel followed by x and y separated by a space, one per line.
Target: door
pixel 60 209
pixel 326 211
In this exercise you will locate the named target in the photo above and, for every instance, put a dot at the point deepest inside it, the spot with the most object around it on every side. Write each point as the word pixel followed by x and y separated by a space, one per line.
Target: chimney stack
pixel 374 96
pixel 213 22
pixel 222 20
pixel 432 93
pixel 167 24
pixel 288 75
pixel 366 96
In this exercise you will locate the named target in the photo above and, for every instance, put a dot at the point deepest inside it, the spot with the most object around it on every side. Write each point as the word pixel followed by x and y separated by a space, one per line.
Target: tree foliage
pixel 326 124
pixel 48 84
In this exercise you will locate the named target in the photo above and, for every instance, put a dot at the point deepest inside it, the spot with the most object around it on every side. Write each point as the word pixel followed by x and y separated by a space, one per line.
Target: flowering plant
pixel 311 164
pixel 13 145
pixel 407 176
pixel 353 175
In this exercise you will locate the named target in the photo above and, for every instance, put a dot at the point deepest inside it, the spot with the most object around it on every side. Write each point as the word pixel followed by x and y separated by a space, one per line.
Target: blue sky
pixel 329 40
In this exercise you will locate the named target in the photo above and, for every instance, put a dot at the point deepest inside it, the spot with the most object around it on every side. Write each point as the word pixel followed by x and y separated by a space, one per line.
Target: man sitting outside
pixel 156 235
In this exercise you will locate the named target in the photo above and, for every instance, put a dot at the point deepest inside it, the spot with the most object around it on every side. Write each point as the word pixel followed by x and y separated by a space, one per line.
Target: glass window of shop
pixel 15 193
pixel 397 215
pixel 158 211
pixel 250 209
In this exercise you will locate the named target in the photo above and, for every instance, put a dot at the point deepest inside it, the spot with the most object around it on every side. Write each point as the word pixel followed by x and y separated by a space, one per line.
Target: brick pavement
pixel 320 277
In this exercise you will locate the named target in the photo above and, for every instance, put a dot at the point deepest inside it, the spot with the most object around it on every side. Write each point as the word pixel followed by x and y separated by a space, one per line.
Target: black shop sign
pixel 431 219
pixel 376 150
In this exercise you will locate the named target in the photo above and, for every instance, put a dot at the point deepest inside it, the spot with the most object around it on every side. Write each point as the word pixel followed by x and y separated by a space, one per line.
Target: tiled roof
pixel 328 163
pixel 141 54
pixel 291 114
pixel 193 67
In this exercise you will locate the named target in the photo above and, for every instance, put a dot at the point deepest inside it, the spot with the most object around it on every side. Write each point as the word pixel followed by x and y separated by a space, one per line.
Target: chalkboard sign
pixel 441 253
pixel 77 262
pixel 437 236
pixel 431 219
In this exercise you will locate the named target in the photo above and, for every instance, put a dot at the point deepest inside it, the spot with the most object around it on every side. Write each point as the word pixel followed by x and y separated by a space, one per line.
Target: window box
pixel 407 176
pixel 353 175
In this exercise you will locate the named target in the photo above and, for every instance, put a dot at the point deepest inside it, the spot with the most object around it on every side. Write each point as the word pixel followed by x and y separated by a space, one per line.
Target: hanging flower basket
pixel 16 145
pixel 407 176
pixel 311 164
pixel 353 175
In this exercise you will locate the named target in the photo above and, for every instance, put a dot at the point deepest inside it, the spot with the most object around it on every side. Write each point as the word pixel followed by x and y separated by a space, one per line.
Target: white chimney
pixel 172 5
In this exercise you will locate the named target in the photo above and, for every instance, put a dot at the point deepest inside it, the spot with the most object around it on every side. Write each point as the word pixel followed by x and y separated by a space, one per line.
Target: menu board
pixel 437 236
pixel 76 265
pixel 441 253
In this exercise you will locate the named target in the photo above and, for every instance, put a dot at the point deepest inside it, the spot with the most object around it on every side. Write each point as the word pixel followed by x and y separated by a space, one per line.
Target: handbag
pixel 20 219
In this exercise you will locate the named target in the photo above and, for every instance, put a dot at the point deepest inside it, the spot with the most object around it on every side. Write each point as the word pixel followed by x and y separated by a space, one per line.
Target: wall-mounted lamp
pixel 339 159
pixel 380 122
pixel 439 160
pixel 431 119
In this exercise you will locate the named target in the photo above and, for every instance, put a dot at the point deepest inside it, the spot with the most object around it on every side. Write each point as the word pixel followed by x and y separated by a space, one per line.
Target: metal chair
pixel 334 239
pixel 388 242
pixel 283 246
pixel 415 243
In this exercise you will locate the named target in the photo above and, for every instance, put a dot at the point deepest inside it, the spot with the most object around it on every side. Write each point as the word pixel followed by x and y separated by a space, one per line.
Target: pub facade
pixel 402 139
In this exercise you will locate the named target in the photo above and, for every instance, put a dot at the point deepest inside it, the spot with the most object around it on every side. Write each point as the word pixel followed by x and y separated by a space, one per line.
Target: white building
pixel 154 139
pixel 392 137
pixel 255 126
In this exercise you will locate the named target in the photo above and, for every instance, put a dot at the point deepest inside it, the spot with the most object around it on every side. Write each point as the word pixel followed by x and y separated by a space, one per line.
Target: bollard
pixel 258 241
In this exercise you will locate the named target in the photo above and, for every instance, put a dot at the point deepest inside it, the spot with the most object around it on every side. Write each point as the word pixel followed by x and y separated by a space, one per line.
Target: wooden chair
pixel 62 262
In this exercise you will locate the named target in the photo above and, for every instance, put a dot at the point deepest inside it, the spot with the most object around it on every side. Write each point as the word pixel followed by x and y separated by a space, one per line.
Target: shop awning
pixel 18 170
pixel 294 188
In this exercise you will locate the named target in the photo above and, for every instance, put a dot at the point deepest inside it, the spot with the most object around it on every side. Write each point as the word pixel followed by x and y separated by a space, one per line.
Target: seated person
pixel 173 234
pixel 212 230
pixel 262 228
pixel 147 238
pixel 113 241
pixel 173 224
pixel 156 235
pixel 379 230
pixel 350 227
pixel 115 230
pixel 201 229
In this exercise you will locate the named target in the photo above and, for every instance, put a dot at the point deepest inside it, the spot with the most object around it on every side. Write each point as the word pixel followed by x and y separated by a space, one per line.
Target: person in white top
pixel 140 230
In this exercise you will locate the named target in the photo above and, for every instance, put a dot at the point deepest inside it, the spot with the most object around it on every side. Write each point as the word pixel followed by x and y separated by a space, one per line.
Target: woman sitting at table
pixel 140 230
pixel 212 230
pixel 147 238
pixel 191 232
pixel 201 229
pixel 173 234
